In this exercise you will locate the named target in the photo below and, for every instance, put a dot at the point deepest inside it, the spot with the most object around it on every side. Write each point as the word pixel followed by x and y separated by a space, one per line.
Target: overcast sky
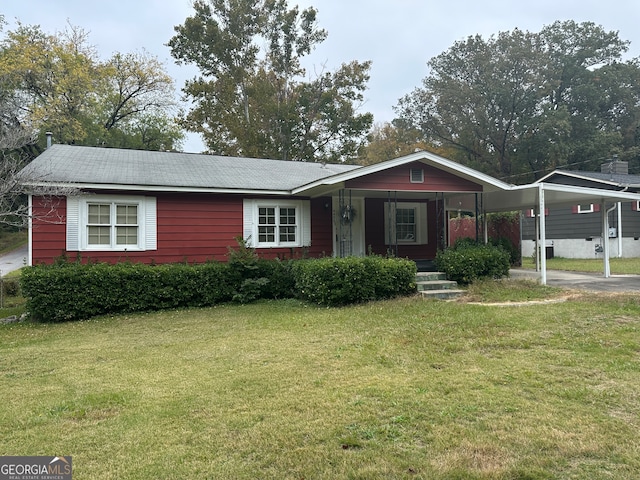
pixel 398 36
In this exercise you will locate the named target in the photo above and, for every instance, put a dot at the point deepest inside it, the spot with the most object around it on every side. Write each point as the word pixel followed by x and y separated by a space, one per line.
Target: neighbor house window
pixel 585 208
pixel 282 224
pixel 111 223
pixel 405 223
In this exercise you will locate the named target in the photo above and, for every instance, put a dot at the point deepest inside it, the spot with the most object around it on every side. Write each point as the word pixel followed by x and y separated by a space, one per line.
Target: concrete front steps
pixel 436 285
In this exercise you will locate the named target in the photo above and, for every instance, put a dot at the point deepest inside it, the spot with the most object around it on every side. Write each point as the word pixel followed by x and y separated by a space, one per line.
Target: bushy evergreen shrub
pixel 467 261
pixel 342 281
pixel 10 287
pixel 73 290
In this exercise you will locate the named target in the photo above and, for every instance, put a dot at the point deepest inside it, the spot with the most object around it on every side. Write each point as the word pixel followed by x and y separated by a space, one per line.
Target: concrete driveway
pixel 594 282
pixel 13 260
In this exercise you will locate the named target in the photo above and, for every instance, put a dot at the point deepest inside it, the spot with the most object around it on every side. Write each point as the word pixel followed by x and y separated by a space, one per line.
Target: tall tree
pixel 522 102
pixel 64 88
pixel 252 97
pixel 390 140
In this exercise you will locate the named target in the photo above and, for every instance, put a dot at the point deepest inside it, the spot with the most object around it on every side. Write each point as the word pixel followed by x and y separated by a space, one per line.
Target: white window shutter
pixel 248 212
pixel 73 224
pixel 305 230
pixel 150 224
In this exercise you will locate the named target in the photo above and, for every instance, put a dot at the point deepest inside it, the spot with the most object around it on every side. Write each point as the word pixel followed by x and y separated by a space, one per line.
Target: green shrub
pixel 467 261
pixel 10 287
pixel 342 281
pixel 515 255
pixel 72 290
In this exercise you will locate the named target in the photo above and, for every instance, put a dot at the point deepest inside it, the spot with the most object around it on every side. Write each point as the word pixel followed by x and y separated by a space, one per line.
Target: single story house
pixel 575 231
pixel 163 207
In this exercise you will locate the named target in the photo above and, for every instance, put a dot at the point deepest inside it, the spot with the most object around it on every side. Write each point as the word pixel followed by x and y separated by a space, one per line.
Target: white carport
pixel 538 196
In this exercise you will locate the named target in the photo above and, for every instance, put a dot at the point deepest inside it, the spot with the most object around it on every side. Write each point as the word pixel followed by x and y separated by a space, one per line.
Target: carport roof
pixel 523 197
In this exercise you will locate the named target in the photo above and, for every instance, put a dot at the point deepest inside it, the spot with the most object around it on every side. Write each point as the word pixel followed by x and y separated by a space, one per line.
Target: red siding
pixel 192 228
pixel 398 178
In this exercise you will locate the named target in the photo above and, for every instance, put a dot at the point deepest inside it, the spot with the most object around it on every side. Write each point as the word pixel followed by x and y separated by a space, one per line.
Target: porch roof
pixel 336 182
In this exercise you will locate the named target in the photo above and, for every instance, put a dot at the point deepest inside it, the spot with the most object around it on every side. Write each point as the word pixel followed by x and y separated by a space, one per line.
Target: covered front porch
pixel 402 206
pixel 412 225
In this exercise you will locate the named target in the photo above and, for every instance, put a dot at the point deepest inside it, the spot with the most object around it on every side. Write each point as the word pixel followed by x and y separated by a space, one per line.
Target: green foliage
pixel 540 100
pixel 342 281
pixel 254 98
pixel 467 261
pixel 56 83
pixel 10 286
pixel 515 255
pixel 73 290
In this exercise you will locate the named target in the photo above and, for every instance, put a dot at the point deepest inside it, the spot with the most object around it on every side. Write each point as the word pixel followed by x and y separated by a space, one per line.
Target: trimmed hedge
pixel 467 261
pixel 342 281
pixel 73 291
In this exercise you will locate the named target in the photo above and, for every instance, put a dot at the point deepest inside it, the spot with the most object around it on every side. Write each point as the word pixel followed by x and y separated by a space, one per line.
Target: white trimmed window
pixel 285 223
pixel 111 223
pixel 405 223
pixel 585 208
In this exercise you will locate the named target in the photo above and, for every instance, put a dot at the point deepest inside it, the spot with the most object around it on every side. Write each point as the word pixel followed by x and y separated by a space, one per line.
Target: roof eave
pixel 430 158
pixel 157 188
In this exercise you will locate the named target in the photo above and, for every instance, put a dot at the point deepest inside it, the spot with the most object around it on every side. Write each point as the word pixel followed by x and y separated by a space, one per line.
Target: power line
pixel 549 169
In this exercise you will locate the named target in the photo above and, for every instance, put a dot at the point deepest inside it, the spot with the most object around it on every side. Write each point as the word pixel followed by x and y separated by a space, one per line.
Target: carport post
pixel 543 234
pixel 605 239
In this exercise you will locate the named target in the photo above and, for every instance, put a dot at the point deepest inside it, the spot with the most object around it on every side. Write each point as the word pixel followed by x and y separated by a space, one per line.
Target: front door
pixel 348 227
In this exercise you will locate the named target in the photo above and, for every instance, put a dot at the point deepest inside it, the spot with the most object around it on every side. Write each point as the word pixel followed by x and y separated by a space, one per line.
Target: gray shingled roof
pixel 619 178
pixel 113 166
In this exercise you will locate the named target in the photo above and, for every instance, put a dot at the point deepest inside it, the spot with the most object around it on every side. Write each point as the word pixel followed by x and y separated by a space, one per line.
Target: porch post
pixel 485 227
pixel 477 226
pixel 536 221
pixel 619 232
pixel 605 239
pixel 543 235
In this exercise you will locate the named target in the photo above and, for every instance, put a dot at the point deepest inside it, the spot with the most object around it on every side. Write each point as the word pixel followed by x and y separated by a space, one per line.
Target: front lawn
pixel 398 389
pixel 619 266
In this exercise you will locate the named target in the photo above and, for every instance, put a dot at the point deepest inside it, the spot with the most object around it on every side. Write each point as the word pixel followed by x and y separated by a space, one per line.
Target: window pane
pixel 287 216
pixel 266 234
pixel 406 224
pixel 267 216
pixel 288 234
pixel 126 235
pixel 127 214
pixel 99 214
pixel 99 235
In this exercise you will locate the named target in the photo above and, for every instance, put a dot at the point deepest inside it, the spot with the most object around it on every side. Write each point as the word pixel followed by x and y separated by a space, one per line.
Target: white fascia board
pixel 576 175
pixel 157 188
pixel 598 193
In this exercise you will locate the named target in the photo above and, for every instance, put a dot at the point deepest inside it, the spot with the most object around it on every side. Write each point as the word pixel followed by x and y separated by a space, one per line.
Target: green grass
pixel 619 266
pixel 510 290
pixel 11 240
pixel 401 389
